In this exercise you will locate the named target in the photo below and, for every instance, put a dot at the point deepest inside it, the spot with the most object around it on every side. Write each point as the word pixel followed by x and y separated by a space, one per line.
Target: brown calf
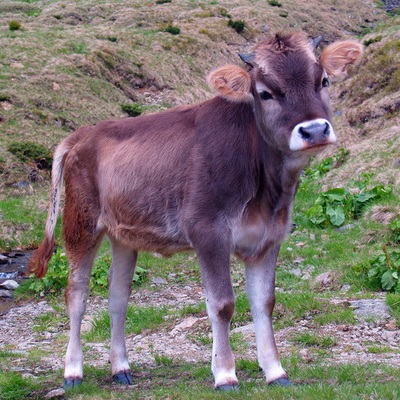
pixel 217 177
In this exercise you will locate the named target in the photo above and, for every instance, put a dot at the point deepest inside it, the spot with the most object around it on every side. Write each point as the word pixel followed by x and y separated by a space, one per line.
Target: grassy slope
pixel 76 62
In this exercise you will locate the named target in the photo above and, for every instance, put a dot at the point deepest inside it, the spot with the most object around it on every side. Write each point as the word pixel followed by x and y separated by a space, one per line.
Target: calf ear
pixel 231 82
pixel 339 55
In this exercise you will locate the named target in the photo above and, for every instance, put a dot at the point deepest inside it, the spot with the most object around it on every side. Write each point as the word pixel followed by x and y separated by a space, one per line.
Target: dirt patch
pixel 364 342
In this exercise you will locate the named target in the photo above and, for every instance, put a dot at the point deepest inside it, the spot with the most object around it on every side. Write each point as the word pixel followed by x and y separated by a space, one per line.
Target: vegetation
pixel 133 110
pixel 76 63
pixel 238 26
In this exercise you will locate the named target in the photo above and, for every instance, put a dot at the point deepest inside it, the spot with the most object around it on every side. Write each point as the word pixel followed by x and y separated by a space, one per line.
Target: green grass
pixel 137 320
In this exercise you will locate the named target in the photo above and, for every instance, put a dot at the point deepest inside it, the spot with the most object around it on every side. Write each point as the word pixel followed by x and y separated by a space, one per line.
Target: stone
pixel 324 279
pixel 185 324
pixel 55 393
pixel 305 355
pixel 6 294
pixel 370 308
pixel 9 285
pixel 159 281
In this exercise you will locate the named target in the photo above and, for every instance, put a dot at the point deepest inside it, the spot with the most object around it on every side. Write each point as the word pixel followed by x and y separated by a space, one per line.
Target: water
pixel 13 266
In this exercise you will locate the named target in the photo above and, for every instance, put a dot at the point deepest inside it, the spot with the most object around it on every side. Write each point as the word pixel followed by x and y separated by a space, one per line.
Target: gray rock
pixel 55 393
pixel 9 284
pixel 370 308
pixel 159 281
pixel 6 294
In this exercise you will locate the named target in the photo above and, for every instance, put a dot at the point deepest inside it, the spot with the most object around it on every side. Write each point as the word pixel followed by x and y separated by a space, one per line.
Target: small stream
pixel 13 266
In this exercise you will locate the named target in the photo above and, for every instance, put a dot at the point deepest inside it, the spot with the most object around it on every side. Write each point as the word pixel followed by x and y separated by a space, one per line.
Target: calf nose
pixel 317 132
pixel 314 131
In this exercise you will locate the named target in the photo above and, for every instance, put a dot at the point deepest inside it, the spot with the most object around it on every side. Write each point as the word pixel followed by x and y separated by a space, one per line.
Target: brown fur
pixel 218 177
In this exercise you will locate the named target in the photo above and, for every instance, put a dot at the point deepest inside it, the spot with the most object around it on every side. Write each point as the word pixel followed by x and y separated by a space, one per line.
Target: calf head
pixel 288 87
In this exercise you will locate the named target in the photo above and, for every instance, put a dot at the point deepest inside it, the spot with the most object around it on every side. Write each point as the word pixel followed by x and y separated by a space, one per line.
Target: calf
pixel 217 177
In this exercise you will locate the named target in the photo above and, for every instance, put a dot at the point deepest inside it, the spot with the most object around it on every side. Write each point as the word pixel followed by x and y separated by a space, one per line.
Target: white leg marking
pixel 77 294
pixel 120 281
pixel 261 292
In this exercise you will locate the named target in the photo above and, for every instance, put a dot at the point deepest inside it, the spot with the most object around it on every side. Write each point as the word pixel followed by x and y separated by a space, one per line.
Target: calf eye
pixel 265 95
pixel 325 82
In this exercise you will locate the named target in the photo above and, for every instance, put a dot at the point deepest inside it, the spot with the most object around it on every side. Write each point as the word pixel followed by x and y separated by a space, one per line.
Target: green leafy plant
pixel 238 26
pixel 322 168
pixel 382 271
pixel 395 231
pixel 133 109
pixel 337 205
pixel 55 279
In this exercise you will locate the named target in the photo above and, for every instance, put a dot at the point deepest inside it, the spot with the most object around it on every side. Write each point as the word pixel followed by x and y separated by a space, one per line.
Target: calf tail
pixel 40 258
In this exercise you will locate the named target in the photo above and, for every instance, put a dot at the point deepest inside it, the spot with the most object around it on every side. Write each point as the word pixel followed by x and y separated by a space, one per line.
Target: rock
pixel 370 308
pixel 6 294
pixel 296 271
pixel 185 324
pixel 55 393
pixel 305 355
pixel 159 281
pixel 244 329
pixel 324 279
pixel 56 87
pixel 9 285
pixel 17 65
pixel 345 288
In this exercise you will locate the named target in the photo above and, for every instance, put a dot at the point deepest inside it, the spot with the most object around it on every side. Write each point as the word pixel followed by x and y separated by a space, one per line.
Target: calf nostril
pixel 304 134
pixel 327 131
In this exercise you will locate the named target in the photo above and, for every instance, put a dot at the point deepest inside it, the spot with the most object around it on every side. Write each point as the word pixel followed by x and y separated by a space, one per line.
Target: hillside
pixel 69 63
pixel 73 63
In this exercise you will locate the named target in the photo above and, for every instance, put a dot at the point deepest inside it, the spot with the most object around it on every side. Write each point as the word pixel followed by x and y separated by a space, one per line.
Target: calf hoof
pixel 71 383
pixel 226 388
pixel 123 378
pixel 281 382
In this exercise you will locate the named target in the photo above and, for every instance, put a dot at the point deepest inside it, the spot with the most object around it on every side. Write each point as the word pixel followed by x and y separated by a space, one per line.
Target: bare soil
pixel 177 339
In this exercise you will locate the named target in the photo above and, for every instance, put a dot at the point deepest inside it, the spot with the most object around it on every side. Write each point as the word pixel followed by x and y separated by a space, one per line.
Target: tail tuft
pixel 39 261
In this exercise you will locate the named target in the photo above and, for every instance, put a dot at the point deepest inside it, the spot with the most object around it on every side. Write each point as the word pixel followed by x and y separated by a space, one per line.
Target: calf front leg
pixel 261 292
pixel 220 300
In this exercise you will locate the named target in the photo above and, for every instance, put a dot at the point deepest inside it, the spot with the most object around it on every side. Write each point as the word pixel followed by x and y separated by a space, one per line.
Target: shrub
pixel 32 152
pixel 274 3
pixel 14 26
pixel 173 30
pixel 133 110
pixel 238 26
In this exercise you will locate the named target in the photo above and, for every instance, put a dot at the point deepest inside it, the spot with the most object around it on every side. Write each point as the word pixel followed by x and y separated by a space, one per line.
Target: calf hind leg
pixel 120 281
pixel 76 297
